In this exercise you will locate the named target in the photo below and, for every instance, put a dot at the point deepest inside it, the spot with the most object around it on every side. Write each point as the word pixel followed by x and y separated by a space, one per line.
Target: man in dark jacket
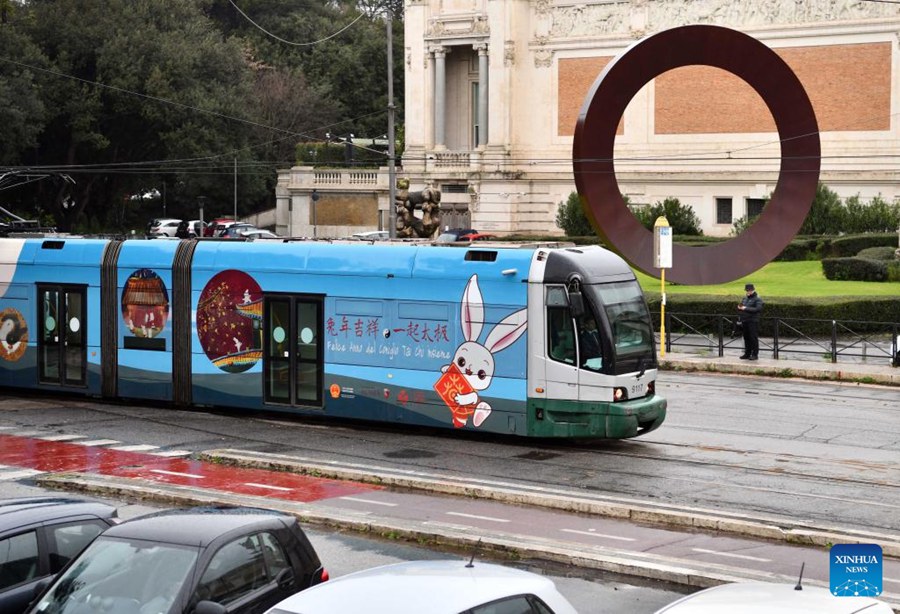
pixel 751 306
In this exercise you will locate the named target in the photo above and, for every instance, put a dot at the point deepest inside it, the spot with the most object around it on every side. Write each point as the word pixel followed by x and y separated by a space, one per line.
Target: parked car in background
pixel 766 598
pixel 163 226
pixel 189 229
pixel 256 233
pixel 38 537
pixel 236 231
pixel 216 226
pixel 477 236
pixel 435 587
pixel 454 234
pixel 193 561
pixel 372 235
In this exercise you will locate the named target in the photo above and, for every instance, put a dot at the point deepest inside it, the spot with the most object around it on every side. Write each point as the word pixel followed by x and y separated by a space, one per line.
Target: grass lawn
pixel 782 279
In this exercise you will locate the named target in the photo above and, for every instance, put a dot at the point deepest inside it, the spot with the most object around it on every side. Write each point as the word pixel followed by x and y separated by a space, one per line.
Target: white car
pixel 765 598
pixel 435 587
pixel 372 235
pixel 164 227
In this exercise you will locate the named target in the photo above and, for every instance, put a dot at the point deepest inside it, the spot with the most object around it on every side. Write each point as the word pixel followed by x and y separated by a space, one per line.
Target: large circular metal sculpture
pixel 773 80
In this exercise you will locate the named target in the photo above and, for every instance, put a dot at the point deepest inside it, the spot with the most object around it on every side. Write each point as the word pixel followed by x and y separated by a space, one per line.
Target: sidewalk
pixel 861 373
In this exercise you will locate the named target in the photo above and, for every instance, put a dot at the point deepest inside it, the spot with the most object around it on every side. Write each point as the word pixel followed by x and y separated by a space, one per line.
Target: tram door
pixel 62 346
pixel 294 356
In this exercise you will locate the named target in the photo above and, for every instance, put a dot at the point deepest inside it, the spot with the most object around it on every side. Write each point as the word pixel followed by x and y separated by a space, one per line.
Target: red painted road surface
pixel 61 457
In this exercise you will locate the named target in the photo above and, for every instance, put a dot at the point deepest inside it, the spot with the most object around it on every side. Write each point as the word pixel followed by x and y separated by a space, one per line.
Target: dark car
pixel 194 561
pixel 38 537
pixel 236 231
pixel 189 229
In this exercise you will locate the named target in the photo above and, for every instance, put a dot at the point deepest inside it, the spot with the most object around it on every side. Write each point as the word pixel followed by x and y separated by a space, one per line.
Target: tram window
pixel 560 331
pixel 590 353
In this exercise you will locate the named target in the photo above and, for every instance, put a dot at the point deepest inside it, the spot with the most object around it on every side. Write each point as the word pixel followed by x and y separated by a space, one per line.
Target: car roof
pixel 198 526
pixel 402 588
pixel 769 598
pixel 31 510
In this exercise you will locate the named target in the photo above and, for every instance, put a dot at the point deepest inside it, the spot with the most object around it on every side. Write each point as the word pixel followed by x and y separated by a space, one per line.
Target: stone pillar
pixel 440 96
pixel 482 49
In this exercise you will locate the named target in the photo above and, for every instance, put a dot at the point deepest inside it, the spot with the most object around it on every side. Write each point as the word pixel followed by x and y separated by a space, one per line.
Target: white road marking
pixel 19 474
pixel 97 442
pixel 6 428
pixel 602 535
pixel 27 433
pixel 172 453
pixel 891 580
pixel 255 485
pixel 176 473
pixel 476 517
pixel 61 437
pixel 370 502
pixel 730 555
pixel 141 447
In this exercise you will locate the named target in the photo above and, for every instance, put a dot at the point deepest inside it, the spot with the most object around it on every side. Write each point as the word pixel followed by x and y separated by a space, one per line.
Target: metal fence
pixel 849 340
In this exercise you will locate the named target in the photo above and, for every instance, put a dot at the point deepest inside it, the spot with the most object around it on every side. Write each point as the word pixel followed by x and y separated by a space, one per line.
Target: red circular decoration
pixel 773 80
pixel 229 321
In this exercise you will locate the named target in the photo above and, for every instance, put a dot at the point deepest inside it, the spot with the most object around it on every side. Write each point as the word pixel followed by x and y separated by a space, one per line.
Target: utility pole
pixel 392 180
pixel 235 189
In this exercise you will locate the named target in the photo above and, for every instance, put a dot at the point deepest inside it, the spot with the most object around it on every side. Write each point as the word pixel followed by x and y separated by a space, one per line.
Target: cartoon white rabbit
pixel 476 361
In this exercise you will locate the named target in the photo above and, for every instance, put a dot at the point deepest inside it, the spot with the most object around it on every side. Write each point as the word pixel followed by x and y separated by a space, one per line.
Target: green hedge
pixel 877 253
pixel 854 269
pixel 850 245
pixel 866 312
pixel 799 249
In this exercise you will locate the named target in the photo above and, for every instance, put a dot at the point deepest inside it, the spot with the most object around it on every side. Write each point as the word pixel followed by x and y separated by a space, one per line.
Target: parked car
pixel 372 235
pixel 765 598
pixel 454 234
pixel 192 561
pixel 164 226
pixel 216 226
pixel 477 236
pixel 236 231
pixel 259 234
pixel 436 587
pixel 38 537
pixel 189 229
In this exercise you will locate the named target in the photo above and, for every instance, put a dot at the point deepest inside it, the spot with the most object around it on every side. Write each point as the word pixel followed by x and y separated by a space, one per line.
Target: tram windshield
pixel 629 319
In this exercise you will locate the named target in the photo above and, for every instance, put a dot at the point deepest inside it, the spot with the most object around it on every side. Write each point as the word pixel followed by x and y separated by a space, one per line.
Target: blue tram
pixel 532 341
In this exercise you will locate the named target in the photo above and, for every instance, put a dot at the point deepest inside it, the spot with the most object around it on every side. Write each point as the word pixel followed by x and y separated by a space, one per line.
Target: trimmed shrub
pixel 854 269
pixel 893 270
pixel 870 314
pixel 681 218
pixel 850 245
pixel 877 253
pixel 571 218
pixel 799 249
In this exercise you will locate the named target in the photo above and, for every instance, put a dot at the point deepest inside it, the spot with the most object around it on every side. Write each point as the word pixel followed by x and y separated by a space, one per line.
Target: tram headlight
pixel 620 394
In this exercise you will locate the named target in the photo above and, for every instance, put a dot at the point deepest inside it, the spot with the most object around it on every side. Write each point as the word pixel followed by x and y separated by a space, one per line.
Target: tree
pixel 22 112
pixel 571 218
pixel 826 215
pixel 681 218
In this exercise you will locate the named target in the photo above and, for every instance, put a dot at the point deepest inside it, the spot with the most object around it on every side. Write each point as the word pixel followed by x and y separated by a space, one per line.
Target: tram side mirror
pixel 576 304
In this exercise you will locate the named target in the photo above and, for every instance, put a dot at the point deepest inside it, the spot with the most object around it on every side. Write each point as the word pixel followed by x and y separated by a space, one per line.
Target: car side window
pixel 511 605
pixel 18 559
pixel 237 569
pixel 276 558
pixel 66 541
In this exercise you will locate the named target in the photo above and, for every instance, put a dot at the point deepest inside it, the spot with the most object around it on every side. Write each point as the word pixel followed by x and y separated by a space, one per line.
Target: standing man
pixel 750 307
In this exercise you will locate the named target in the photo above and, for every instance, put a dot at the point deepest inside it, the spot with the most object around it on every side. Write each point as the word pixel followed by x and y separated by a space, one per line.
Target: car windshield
pixel 628 317
pixel 119 576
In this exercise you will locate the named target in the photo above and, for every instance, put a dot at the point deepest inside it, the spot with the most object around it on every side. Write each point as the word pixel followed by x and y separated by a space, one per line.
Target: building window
pixel 723 211
pixel 755 207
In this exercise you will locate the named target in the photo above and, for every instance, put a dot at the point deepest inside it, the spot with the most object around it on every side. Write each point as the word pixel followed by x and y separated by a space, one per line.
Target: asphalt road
pixel 589 592
pixel 824 453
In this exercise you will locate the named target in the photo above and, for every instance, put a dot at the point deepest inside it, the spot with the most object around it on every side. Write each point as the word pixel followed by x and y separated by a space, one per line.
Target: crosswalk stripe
pixel 61 437
pixel 172 453
pixel 141 447
pixel 97 442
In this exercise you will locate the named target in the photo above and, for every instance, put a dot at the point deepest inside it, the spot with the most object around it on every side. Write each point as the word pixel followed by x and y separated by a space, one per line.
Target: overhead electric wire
pixel 287 42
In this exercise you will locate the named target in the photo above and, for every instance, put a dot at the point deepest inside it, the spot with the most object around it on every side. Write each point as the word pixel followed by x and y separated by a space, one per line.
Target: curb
pixel 883 376
pixel 611 507
pixel 501 545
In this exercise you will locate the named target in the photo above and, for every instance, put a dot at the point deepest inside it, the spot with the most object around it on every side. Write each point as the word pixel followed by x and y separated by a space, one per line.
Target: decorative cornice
pixel 451 26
